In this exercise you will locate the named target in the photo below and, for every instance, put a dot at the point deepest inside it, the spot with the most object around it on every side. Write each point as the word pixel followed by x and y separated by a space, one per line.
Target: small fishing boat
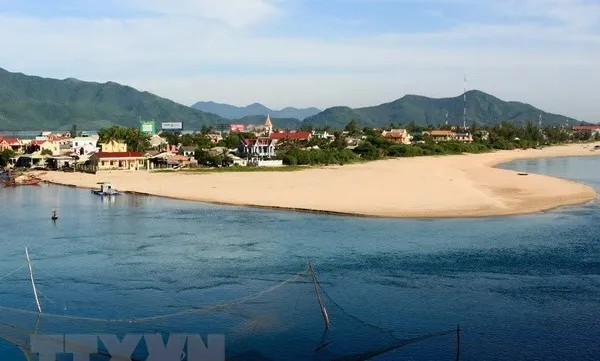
pixel 54 215
pixel 106 189
pixel 23 182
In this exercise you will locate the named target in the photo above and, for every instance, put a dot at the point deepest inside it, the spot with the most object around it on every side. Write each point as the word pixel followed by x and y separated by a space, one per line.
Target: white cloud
pixel 175 44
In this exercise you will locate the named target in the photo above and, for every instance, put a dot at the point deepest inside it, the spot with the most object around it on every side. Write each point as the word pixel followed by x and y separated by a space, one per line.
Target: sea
pixel 498 288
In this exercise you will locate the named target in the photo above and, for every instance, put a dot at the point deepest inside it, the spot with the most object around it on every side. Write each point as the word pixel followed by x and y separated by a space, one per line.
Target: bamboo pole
pixel 35 294
pixel 321 305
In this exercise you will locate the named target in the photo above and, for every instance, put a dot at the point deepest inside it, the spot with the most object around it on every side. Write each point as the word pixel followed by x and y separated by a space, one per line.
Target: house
pixel 448 135
pixel 400 136
pixel 118 161
pixel 237 127
pixel 214 138
pixel 290 135
pixel 83 145
pixel 4 145
pixel 41 145
pixel 322 134
pixel 260 148
pixel 15 144
pixel 594 129
pixel 156 141
pixel 187 150
pixel 440 135
pixel 113 147
pixel 463 137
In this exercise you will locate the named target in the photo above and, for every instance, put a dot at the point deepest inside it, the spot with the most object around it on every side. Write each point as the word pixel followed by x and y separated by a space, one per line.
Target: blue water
pixel 521 288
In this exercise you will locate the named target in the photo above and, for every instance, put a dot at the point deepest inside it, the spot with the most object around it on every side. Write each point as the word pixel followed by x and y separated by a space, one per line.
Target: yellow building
pixel 113 146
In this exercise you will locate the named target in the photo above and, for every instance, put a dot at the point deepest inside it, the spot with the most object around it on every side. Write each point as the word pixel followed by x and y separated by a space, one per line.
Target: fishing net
pixel 291 318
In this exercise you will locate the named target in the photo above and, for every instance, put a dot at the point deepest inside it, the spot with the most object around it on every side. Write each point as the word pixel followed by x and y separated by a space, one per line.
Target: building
pixel 448 135
pixel 118 161
pixel 187 150
pixel 259 148
pixel 214 138
pixel 323 134
pixel 15 144
pixel 594 129
pixel 300 136
pixel 463 137
pixel 44 145
pixel 237 127
pixel 4 145
pixel 113 146
pixel 156 141
pixel 400 136
pixel 83 145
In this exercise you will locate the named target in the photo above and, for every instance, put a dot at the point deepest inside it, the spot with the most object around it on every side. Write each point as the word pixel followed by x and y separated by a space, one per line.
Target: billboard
pixel 147 127
pixel 237 127
pixel 172 126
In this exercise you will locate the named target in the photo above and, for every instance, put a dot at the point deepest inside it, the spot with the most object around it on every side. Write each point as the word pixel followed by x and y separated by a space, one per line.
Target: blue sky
pixel 316 53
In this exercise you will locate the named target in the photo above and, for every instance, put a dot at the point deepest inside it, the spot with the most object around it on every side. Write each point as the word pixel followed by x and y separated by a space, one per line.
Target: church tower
pixel 269 125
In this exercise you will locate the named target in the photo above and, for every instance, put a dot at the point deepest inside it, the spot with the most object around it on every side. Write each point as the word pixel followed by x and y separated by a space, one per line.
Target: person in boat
pixel 54 216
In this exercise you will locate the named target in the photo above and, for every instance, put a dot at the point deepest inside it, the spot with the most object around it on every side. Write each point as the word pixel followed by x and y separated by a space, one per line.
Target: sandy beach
pixel 446 186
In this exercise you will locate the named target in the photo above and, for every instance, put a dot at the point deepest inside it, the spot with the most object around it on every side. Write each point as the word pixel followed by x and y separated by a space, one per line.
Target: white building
pixel 84 145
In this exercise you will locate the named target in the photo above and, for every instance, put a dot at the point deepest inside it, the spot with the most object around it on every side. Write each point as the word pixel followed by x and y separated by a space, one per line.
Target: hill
pixel 233 112
pixel 35 103
pixel 481 108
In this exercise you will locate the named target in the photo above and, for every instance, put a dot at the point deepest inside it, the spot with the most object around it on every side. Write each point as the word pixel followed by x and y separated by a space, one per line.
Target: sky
pixel 316 52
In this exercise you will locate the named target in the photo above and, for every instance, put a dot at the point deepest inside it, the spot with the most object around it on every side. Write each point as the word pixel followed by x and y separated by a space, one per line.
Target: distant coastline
pixel 456 186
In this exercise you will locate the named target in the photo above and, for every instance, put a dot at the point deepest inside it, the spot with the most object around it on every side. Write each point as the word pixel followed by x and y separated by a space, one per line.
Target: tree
pixel 5 156
pixel 46 152
pixel 172 138
pixel 306 128
pixel 74 131
pixel 352 127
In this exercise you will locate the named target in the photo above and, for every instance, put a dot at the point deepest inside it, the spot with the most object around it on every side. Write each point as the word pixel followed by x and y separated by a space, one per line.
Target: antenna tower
pixel 465 104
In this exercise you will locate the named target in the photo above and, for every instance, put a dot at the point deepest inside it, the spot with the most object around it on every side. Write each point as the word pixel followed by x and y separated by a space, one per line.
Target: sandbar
pixel 452 186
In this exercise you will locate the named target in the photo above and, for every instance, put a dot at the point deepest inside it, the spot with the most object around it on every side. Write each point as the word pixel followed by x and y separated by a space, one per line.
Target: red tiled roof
pixel 288 135
pixel 11 140
pixel 38 142
pixel 119 155
pixel 586 127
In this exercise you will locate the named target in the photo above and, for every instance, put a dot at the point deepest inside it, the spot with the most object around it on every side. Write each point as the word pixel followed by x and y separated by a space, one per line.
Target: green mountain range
pixel 35 103
pixel 233 112
pixel 481 108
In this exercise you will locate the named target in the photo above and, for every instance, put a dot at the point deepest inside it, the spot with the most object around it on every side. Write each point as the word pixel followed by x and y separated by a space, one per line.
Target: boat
pixel 54 215
pixel 23 182
pixel 106 189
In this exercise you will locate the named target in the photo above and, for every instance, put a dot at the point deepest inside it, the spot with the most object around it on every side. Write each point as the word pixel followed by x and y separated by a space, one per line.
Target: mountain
pixel 278 123
pixel 233 112
pixel 35 103
pixel 481 108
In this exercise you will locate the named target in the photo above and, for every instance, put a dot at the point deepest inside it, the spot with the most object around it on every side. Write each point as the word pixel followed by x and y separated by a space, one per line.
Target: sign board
pixel 172 126
pixel 237 127
pixel 147 127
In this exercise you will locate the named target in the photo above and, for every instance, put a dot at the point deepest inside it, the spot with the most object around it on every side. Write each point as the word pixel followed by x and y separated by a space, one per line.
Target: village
pixel 254 145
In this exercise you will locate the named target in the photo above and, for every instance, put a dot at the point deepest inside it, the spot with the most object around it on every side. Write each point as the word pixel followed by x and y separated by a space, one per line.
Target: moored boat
pixel 23 182
pixel 106 189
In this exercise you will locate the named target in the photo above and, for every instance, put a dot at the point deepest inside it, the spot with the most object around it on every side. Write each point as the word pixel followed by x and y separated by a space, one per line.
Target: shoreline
pixel 391 188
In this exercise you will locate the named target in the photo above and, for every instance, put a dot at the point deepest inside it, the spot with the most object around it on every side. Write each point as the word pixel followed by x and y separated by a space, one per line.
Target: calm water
pixel 521 288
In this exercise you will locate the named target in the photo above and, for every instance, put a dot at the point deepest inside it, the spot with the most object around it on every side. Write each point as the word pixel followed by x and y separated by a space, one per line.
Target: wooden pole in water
pixel 457 342
pixel 321 305
pixel 37 301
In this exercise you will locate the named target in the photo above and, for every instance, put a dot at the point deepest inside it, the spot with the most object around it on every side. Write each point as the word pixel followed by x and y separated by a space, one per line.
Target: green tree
pixel 73 131
pixel 5 156
pixel 46 152
pixel 352 127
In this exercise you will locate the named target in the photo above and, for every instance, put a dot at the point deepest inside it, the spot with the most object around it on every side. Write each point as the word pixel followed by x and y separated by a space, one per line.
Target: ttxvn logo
pixel 178 347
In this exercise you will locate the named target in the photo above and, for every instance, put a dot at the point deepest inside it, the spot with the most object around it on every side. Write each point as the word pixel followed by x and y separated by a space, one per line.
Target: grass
pixel 285 168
